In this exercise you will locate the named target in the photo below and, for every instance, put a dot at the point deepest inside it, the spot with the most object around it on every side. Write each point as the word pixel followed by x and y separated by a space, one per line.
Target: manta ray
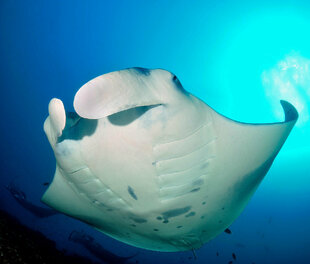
pixel 149 164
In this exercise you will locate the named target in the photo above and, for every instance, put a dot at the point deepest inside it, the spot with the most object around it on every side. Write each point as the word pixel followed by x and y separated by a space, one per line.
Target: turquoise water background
pixel 240 57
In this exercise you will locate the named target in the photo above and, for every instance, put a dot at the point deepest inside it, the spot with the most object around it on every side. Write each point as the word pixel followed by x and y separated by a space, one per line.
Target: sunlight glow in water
pixel 289 80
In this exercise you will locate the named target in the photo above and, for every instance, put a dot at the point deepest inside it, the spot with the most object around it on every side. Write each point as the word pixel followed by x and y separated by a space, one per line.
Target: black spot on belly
pixel 176 212
pixel 159 218
pixel 132 193
pixel 165 221
pixel 155 229
pixel 203 203
pixel 179 226
pixel 139 220
pixel 190 214
pixel 195 190
pixel 198 182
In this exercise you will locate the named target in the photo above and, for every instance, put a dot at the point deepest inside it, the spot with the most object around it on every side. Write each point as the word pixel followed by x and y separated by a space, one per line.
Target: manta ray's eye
pixel 174 78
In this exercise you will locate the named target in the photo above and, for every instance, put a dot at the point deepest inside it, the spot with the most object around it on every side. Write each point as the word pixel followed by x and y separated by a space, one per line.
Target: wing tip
pixel 291 114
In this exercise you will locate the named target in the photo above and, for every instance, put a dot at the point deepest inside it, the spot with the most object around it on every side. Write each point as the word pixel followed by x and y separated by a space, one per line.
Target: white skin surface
pixel 168 176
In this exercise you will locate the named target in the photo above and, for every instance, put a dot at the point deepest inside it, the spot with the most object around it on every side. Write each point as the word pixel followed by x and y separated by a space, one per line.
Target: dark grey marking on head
pixel 77 127
pixel 190 214
pixel 139 220
pixel 132 193
pixel 195 190
pixel 159 218
pixel 179 226
pixel 142 71
pixel 155 229
pixel 165 221
pixel 176 212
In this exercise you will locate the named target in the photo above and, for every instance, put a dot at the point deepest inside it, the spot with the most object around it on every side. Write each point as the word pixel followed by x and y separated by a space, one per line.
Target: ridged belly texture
pixel 90 186
pixel 84 182
pixel 184 164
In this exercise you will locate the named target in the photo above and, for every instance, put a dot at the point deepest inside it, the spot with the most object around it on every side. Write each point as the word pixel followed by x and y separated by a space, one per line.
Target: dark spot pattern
pixel 139 220
pixel 195 190
pixel 176 212
pixel 159 218
pixel 165 221
pixel 203 203
pixel 179 226
pixel 198 182
pixel 190 214
pixel 155 229
pixel 132 193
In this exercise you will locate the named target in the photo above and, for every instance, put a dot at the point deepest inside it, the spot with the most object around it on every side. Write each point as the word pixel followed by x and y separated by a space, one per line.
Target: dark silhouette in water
pixel 21 198
pixel 20 244
pixel 227 230
pixel 96 249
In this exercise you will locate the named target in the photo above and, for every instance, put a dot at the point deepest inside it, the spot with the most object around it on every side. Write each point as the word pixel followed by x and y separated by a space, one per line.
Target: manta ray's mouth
pixel 62 125
pixel 77 127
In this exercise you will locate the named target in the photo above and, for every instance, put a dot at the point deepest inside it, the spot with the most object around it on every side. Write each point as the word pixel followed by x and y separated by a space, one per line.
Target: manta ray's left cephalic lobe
pixel 151 165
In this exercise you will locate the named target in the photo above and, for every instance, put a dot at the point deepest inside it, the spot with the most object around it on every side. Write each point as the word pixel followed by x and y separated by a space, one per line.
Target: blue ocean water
pixel 240 57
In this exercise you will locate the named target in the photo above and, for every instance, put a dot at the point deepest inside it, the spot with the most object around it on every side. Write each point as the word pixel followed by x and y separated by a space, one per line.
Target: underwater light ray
pixel 289 80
